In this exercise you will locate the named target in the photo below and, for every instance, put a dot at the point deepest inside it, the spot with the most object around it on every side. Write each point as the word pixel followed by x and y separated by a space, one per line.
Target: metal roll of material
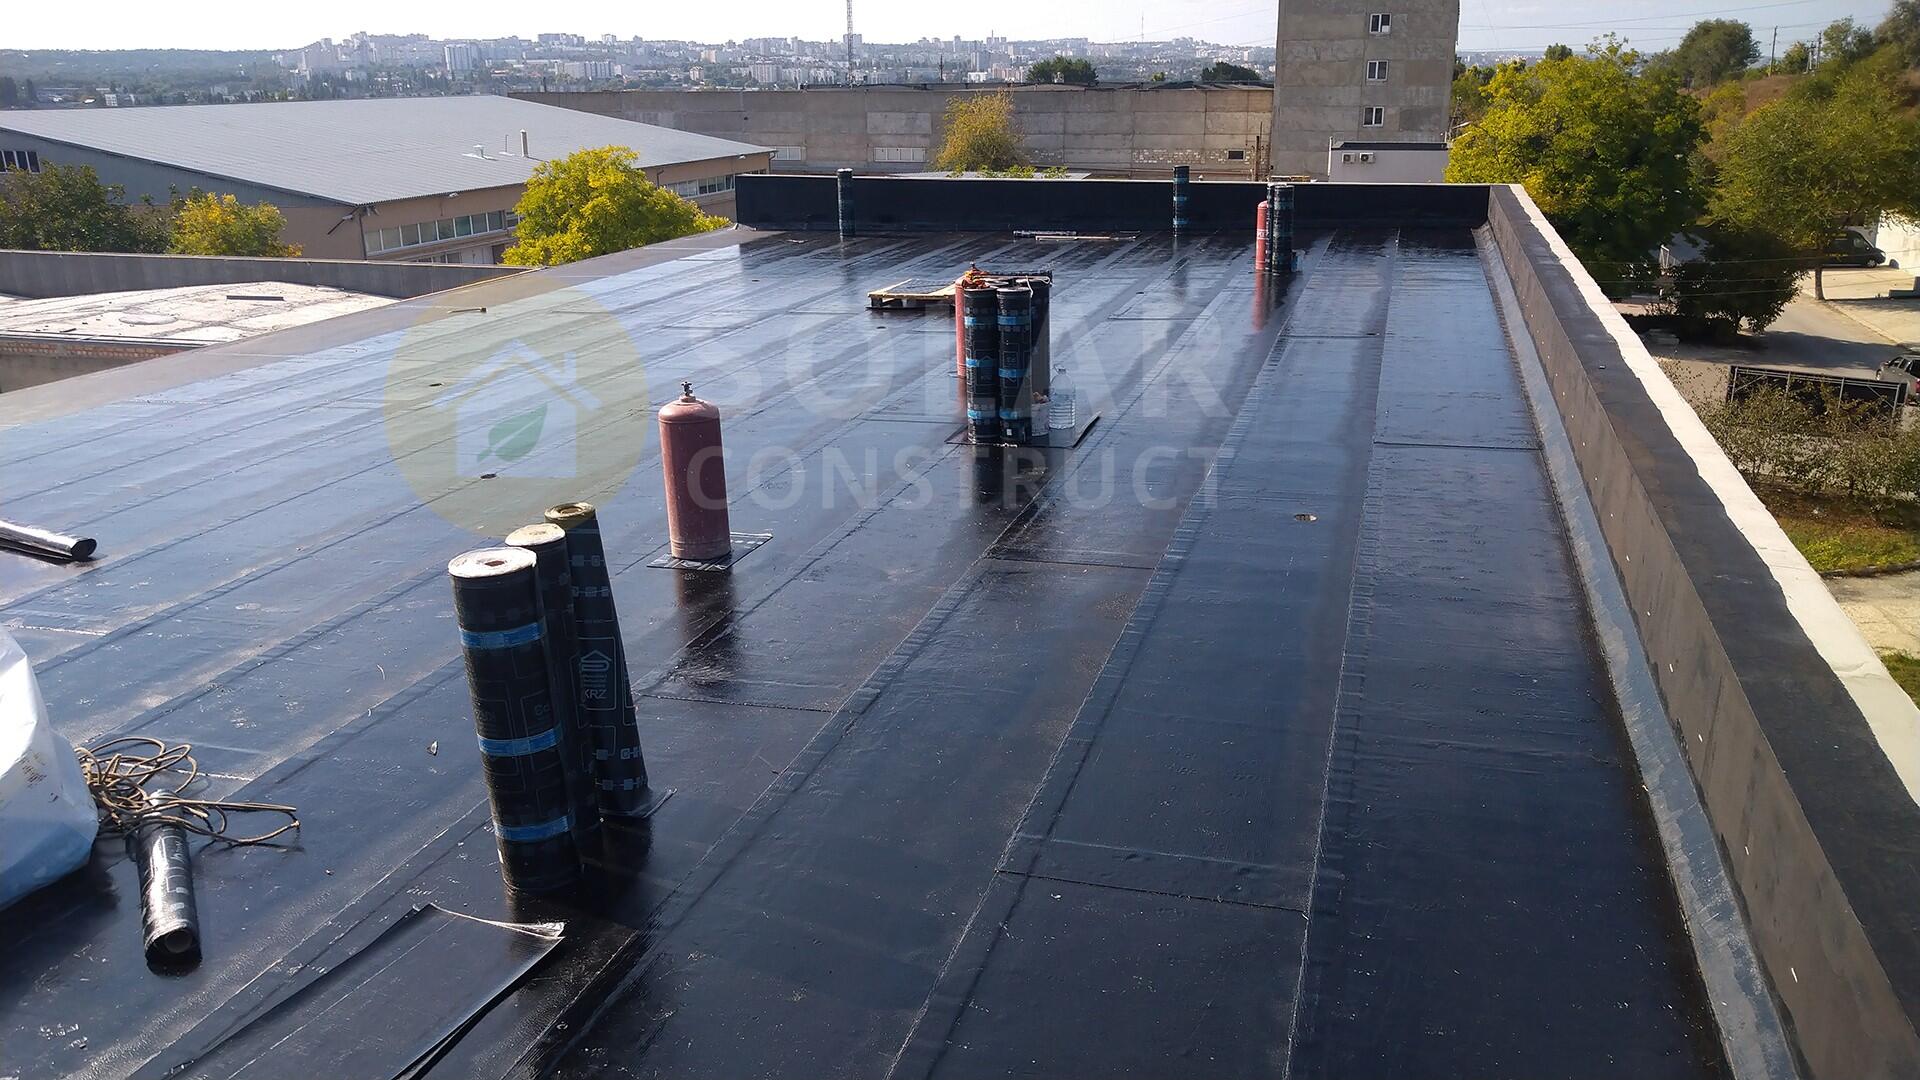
pixel 45 542
pixel 1016 361
pixel 553 573
pixel 496 601
pixel 980 325
pixel 606 696
pixel 169 918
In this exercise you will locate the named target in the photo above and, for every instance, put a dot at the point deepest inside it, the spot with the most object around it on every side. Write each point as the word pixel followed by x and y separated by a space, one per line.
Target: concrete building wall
pixel 1321 67
pixel 33 360
pixel 1900 239
pixel 1387 165
pixel 1220 131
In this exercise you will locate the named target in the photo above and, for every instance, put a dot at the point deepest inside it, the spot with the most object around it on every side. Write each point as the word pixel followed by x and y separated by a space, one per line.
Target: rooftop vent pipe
pixel 524 152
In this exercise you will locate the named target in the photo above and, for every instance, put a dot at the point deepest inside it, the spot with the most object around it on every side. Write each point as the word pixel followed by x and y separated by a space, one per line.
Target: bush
pixel 1840 448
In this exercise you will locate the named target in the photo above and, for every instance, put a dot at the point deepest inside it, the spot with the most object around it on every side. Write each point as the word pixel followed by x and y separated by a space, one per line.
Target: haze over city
pixel 1484 24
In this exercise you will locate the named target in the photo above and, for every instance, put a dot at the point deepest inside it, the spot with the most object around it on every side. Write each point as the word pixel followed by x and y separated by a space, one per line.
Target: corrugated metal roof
pixel 359 152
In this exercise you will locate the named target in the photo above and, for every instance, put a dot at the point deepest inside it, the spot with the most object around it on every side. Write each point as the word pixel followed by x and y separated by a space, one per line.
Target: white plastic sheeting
pixel 47 816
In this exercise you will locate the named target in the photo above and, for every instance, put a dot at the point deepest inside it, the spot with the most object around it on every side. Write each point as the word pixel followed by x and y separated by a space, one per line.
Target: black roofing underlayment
pixel 1307 763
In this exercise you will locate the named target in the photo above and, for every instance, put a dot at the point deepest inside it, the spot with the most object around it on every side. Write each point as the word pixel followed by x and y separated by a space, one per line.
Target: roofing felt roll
pixel 606 697
pixel 1041 373
pixel 553 572
pixel 496 600
pixel 981 330
pixel 1016 361
pixel 169 918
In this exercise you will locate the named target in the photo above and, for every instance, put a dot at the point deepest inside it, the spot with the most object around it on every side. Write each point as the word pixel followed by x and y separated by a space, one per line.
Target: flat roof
pixel 364 151
pixel 1264 729
pixel 193 314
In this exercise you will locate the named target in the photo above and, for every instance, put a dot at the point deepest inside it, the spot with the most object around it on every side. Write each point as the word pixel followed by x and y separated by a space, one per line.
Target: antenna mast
pixel 849 40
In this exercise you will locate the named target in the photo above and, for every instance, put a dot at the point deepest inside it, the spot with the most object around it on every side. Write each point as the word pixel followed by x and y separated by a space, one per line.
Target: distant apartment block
pixel 401 179
pixel 1360 71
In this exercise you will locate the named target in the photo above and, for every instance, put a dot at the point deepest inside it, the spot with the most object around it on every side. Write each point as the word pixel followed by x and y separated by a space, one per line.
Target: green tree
pixel 1721 111
pixel 1806 166
pixel 1470 94
pixel 1714 51
pixel 1605 150
pixel 1222 72
pixel 9 92
pixel 1795 61
pixel 1900 30
pixel 1063 69
pixel 595 202
pixel 67 208
pixel 1559 52
pixel 1844 42
pixel 980 134
pixel 1741 281
pixel 206 224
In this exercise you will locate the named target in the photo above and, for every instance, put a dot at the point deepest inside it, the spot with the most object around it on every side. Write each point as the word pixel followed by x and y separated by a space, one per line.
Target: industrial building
pixel 1140 130
pixel 1392 678
pixel 409 179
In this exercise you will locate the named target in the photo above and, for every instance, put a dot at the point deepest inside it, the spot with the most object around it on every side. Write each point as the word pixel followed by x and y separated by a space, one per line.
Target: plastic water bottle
pixel 1062 406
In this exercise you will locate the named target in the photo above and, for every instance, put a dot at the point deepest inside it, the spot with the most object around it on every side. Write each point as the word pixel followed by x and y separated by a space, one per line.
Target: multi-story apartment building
pixel 1362 70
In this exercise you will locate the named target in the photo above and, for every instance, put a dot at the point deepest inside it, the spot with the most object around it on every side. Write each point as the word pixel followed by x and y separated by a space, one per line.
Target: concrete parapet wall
pixel 38 274
pixel 881 203
pixel 1804 751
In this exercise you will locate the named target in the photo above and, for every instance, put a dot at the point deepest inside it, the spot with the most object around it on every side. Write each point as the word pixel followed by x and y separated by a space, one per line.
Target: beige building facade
pixel 1360 70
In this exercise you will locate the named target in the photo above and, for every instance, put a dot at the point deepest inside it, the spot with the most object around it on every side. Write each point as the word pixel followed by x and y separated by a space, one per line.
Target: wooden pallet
pixel 912 294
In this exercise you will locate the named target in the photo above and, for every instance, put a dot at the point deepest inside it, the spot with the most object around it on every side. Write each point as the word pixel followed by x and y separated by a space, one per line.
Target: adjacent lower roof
pixel 191 315
pixel 365 151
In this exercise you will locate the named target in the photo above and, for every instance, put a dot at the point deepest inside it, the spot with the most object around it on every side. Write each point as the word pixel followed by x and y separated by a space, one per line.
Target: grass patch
pixel 1905 670
pixel 1836 533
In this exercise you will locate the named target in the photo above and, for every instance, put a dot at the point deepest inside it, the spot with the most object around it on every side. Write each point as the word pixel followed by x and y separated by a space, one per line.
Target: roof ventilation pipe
pixel 524 152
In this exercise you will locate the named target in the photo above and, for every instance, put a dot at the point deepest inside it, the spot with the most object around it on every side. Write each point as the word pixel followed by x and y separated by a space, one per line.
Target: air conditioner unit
pixel 1346 159
pixel 1366 159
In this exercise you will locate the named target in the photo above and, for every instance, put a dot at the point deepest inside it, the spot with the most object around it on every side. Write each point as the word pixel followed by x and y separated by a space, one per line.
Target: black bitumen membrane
pixel 1262 733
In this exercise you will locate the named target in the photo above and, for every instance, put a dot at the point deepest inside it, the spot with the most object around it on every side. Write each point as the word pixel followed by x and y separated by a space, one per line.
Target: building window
pixel 693 189
pixel 789 153
pixel 900 154
pixel 1236 155
pixel 1380 22
pixel 1376 71
pixel 1373 116
pixel 19 161
pixel 434 232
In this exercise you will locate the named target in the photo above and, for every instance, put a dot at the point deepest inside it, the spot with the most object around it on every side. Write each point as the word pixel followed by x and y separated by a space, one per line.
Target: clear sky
pixel 227 24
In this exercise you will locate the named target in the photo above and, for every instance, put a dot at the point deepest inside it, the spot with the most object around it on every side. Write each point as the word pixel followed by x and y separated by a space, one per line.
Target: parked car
pixel 1851 249
pixel 1907 364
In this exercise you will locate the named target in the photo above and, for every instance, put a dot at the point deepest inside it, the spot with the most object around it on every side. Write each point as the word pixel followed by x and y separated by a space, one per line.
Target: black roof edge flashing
pixel 954 204
pixel 1820 830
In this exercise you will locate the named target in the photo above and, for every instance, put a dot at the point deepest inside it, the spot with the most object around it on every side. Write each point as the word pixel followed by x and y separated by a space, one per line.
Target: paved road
pixel 1812 334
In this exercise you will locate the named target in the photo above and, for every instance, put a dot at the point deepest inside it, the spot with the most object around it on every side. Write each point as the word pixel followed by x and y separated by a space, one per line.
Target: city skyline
pixel 1486 25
